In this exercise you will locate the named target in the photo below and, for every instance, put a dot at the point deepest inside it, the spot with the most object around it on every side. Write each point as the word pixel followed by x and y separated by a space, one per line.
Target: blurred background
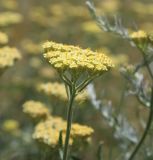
pixel 30 23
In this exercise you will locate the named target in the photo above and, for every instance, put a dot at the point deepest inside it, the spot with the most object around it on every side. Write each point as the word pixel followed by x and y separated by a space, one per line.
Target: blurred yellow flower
pixel 8 56
pixel 11 126
pixel 48 131
pixel 3 38
pixel 35 109
pixel 9 18
pixel 139 37
pixel 81 130
pixel 91 27
pixel 57 90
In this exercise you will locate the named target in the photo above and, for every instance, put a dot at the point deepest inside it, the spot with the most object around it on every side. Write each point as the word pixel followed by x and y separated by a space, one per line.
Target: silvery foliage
pixel 123 131
pixel 138 87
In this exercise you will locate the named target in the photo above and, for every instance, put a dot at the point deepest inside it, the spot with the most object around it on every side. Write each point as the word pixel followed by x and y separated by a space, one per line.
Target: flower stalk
pixel 72 95
pixel 146 129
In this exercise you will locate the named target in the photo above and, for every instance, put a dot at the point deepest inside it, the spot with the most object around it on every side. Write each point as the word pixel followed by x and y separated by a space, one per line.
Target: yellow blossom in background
pixel 9 18
pixel 48 131
pixel 57 90
pixel 91 27
pixel 31 47
pixel 140 37
pixel 74 59
pixel 47 72
pixel 11 126
pixel 8 56
pixel 35 109
pixel 3 38
pixel 81 130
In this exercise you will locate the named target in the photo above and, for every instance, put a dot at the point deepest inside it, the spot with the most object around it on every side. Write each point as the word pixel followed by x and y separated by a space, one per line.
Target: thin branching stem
pixel 146 129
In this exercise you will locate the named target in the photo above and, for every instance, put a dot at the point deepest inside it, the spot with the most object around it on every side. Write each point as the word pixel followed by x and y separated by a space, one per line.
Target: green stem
pixel 69 121
pixel 146 129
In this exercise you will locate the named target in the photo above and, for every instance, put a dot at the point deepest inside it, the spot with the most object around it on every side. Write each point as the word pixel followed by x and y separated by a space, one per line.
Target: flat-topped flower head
pixel 57 91
pixel 67 57
pixel 140 37
pixel 8 56
pixel 3 38
pixel 76 65
pixel 48 131
pixel 35 109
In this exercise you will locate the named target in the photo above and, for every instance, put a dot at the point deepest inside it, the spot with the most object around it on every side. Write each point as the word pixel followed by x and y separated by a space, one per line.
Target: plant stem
pixel 69 121
pixel 146 129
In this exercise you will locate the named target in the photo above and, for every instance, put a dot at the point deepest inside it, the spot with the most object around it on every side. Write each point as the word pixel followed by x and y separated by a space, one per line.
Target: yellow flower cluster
pixel 57 90
pixel 81 130
pixel 48 131
pixel 8 56
pixel 139 37
pixel 3 38
pixel 8 18
pixel 35 109
pixel 68 57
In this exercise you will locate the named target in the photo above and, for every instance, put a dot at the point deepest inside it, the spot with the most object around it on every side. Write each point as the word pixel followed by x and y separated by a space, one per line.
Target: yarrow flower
pixel 48 131
pixel 67 57
pixel 8 56
pixel 35 109
pixel 57 90
pixel 76 65
pixel 140 38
